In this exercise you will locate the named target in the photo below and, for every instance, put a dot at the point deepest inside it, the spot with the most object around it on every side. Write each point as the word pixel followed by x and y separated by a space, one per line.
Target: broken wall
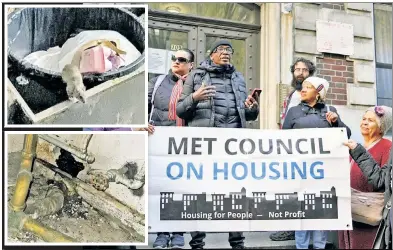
pixel 111 151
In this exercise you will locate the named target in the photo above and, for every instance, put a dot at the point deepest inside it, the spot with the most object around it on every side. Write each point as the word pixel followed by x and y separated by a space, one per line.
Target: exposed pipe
pixel 103 202
pixel 16 218
pixel 21 221
pixel 46 233
pixel 18 202
pixel 118 176
pixel 82 155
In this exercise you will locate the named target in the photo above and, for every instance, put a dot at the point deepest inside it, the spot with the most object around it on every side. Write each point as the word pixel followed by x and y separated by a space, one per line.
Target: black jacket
pixel 380 178
pixel 226 109
pixel 161 99
pixel 304 116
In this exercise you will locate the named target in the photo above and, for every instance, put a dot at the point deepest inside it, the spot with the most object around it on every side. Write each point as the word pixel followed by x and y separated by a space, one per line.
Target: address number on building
pixel 176 47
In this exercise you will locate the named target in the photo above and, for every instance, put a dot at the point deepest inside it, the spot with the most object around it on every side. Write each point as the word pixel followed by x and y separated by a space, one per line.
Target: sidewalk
pixel 255 240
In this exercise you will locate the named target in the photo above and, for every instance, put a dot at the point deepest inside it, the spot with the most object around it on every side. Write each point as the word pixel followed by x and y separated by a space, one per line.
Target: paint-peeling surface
pixel 109 152
pixel 78 219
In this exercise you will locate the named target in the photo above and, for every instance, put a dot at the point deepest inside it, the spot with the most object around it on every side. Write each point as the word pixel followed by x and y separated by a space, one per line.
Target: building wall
pixel 339 72
pixel 109 152
pixel 351 78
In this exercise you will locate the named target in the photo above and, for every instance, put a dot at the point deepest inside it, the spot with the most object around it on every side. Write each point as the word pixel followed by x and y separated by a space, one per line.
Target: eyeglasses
pixel 221 50
pixel 301 70
pixel 179 59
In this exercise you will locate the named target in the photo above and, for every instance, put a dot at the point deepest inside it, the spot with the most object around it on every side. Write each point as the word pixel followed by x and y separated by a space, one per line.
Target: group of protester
pixel 214 94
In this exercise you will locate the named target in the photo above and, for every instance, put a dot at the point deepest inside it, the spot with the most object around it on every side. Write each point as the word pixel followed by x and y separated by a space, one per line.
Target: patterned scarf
pixel 176 92
pixel 286 104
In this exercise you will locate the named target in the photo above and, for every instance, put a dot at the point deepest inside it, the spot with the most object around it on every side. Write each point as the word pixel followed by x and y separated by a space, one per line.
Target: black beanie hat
pixel 219 43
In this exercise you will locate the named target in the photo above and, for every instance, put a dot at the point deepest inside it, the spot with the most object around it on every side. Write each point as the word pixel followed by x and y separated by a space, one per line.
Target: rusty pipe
pixel 46 233
pixel 117 175
pixel 18 202
pixel 17 218
pixel 82 155
pixel 18 221
pixel 103 201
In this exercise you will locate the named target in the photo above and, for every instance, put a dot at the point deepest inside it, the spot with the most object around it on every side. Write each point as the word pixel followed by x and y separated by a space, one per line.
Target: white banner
pixel 220 180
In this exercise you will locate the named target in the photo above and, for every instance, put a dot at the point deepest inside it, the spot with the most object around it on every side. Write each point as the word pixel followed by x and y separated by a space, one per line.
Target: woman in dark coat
pixel 312 112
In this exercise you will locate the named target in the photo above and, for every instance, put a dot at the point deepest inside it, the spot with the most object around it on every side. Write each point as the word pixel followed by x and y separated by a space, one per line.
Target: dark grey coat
pixel 226 108
pixel 304 116
pixel 161 100
pixel 380 178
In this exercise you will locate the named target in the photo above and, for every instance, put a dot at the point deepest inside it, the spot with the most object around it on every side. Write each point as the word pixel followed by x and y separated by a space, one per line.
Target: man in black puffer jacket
pixel 215 95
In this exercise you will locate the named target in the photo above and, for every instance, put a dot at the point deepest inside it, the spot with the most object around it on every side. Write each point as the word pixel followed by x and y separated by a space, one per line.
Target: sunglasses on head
pixel 179 59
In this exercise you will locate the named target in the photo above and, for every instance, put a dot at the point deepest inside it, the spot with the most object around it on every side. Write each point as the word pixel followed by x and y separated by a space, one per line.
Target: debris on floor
pixel 76 218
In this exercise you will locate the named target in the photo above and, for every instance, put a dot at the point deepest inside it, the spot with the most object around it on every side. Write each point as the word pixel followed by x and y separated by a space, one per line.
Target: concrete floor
pixel 256 240
pixel 253 240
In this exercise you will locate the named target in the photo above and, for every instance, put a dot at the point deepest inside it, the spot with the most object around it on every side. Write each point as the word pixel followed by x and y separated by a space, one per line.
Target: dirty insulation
pixel 76 218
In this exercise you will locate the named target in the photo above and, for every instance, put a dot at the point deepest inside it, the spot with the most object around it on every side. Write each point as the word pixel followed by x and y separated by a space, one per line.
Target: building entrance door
pixel 165 38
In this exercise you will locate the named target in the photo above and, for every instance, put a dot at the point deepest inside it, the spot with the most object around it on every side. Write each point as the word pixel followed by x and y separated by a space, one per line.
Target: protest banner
pixel 219 180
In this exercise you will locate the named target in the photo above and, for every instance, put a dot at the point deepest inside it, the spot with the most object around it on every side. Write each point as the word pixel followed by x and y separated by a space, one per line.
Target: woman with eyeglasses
pixel 164 91
pixel 376 122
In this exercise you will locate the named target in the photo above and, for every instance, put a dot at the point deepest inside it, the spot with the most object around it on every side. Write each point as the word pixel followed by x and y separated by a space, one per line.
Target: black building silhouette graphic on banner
pixel 237 206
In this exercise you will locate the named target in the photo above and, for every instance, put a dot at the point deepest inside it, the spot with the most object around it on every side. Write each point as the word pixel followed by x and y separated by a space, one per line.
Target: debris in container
pixel 101 58
pixel 16 115
pixel 93 51
pixel 112 43
pixel 22 80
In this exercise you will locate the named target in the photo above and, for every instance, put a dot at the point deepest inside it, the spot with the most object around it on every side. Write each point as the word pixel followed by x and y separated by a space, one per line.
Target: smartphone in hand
pixel 256 93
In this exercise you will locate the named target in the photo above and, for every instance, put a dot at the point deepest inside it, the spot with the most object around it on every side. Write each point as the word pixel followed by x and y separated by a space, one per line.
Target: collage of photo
pixel 197 125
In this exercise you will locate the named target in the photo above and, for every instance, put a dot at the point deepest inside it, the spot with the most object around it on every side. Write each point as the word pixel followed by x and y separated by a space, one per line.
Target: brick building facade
pixel 354 79
pixel 268 37
pixel 339 73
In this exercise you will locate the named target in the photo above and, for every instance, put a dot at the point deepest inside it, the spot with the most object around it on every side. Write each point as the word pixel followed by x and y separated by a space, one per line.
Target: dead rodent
pixel 73 78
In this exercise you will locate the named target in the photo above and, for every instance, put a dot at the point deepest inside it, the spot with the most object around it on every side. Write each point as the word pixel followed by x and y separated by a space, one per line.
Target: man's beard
pixel 297 83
